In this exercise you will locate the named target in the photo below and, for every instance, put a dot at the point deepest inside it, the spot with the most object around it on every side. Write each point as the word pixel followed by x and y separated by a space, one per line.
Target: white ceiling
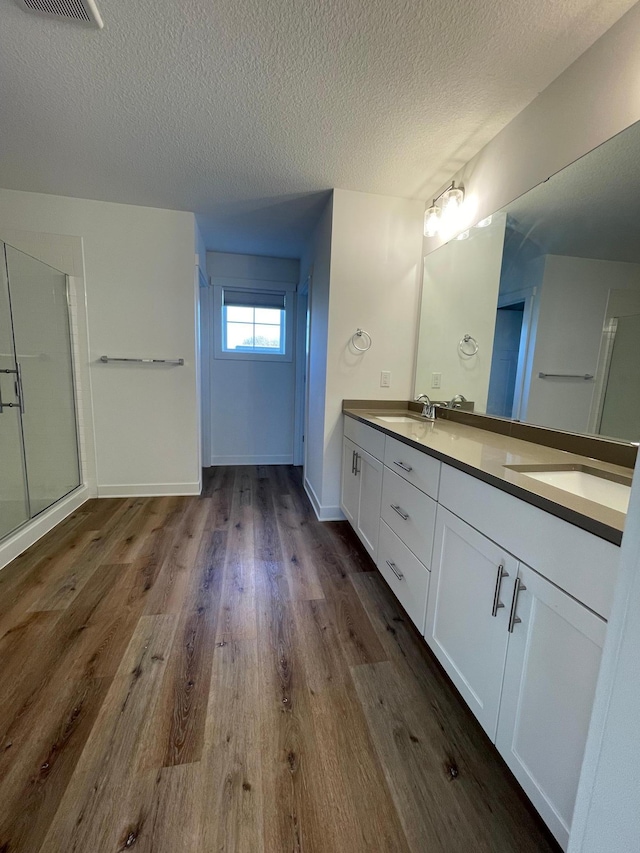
pixel 248 111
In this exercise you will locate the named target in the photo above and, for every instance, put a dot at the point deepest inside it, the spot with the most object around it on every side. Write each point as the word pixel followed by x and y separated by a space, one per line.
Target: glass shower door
pixel 621 407
pixel 14 502
pixel 39 309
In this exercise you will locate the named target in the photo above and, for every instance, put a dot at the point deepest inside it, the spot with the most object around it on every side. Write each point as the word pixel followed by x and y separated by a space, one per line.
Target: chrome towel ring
pixel 468 346
pixel 361 337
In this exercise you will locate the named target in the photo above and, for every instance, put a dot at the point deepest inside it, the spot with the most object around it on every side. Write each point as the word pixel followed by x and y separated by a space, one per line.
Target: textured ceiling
pixel 591 209
pixel 246 111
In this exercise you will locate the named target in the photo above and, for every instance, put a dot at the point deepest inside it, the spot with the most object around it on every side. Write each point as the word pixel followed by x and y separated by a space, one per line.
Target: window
pixel 253 324
pixel 253 321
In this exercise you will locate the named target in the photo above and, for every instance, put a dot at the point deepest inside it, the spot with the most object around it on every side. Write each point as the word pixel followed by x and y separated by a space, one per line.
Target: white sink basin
pixel 590 483
pixel 395 419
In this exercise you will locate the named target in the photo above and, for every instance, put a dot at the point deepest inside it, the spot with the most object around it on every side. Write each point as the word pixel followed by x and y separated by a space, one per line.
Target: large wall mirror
pixel 534 313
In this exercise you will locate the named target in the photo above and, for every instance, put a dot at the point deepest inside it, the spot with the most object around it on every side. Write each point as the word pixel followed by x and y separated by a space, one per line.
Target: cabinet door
pixel 472 580
pixel 350 482
pixel 550 679
pixel 370 478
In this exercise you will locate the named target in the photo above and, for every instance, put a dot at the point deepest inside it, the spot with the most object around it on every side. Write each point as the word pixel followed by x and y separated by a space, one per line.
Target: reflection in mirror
pixel 549 288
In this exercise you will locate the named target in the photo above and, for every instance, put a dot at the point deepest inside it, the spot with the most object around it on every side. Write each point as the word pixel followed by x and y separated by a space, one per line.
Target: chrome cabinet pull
pixel 395 570
pixel 404 467
pixel 353 462
pixel 513 619
pixel 400 512
pixel 497 604
pixel 358 458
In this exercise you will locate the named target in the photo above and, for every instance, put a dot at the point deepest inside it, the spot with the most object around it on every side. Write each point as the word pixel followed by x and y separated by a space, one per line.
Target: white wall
pixel 570 319
pixel 252 409
pixel 459 297
pixel 374 284
pixel 141 302
pixel 315 266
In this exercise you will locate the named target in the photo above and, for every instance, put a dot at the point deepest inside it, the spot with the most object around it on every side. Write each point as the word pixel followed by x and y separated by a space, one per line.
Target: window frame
pixel 287 326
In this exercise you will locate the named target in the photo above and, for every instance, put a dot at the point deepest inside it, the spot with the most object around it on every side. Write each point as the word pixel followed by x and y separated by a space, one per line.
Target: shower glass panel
pixel 621 408
pixel 39 460
pixel 14 504
pixel 42 338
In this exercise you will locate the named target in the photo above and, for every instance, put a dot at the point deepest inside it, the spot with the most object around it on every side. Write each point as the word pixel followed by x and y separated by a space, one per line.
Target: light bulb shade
pixel 452 199
pixel 432 221
pixel 464 235
pixel 484 222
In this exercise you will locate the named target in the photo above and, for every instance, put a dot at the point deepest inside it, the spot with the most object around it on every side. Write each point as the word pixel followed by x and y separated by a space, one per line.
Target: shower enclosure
pixel 39 459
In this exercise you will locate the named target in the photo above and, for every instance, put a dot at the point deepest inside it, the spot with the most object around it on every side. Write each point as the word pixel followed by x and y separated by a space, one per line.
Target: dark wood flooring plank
pixel 297 549
pixel 293 793
pixel 172 581
pixel 39 756
pixel 232 761
pixel 237 615
pixel 172 813
pixel 180 714
pixel 359 813
pixel 179 718
pixel 99 811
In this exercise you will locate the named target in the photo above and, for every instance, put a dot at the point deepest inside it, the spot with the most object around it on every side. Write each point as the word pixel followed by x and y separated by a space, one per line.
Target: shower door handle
pixel 19 388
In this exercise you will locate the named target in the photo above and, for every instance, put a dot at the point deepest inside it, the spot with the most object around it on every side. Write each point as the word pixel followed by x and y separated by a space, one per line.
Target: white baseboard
pixel 27 535
pixel 286 459
pixel 148 490
pixel 323 513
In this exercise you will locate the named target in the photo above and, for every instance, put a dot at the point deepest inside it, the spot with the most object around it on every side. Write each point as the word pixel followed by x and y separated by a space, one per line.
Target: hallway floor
pixel 225 673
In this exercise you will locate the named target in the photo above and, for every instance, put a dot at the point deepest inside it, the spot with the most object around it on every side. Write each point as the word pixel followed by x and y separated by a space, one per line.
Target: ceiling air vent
pixel 83 11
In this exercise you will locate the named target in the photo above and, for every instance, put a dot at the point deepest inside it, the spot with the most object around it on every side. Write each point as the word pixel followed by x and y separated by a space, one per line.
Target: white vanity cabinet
pixel 472 583
pixel 362 483
pixel 527 669
pixel 550 678
pixel 511 599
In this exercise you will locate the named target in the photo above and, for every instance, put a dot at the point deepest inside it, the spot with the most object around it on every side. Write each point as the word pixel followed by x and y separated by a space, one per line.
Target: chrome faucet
pixel 428 408
pixel 459 398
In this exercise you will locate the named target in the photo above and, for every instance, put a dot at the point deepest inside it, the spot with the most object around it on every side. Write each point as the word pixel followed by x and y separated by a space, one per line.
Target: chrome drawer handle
pixel 400 512
pixel 513 619
pixel 395 570
pixel 404 467
pixel 353 462
pixel 497 604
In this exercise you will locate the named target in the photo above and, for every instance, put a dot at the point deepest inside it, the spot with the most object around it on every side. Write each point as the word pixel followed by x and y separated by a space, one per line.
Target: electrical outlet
pixel 385 379
pixel 436 380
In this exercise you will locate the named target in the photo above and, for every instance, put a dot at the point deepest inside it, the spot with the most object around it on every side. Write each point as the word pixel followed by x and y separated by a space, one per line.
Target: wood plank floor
pixel 225 673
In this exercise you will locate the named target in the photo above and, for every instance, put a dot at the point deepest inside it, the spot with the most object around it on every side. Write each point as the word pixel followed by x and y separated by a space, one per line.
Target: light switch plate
pixel 436 380
pixel 385 379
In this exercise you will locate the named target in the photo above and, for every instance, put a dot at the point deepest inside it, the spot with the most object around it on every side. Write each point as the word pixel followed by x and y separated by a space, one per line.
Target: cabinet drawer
pixel 405 574
pixel 416 530
pixel 366 437
pixel 413 465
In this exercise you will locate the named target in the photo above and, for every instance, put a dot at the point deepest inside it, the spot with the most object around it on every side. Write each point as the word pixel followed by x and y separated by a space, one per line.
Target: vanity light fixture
pixel 484 222
pixel 432 221
pixel 464 235
pixel 435 216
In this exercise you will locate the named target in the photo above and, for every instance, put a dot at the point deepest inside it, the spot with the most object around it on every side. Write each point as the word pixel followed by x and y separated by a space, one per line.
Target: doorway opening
pixel 504 363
